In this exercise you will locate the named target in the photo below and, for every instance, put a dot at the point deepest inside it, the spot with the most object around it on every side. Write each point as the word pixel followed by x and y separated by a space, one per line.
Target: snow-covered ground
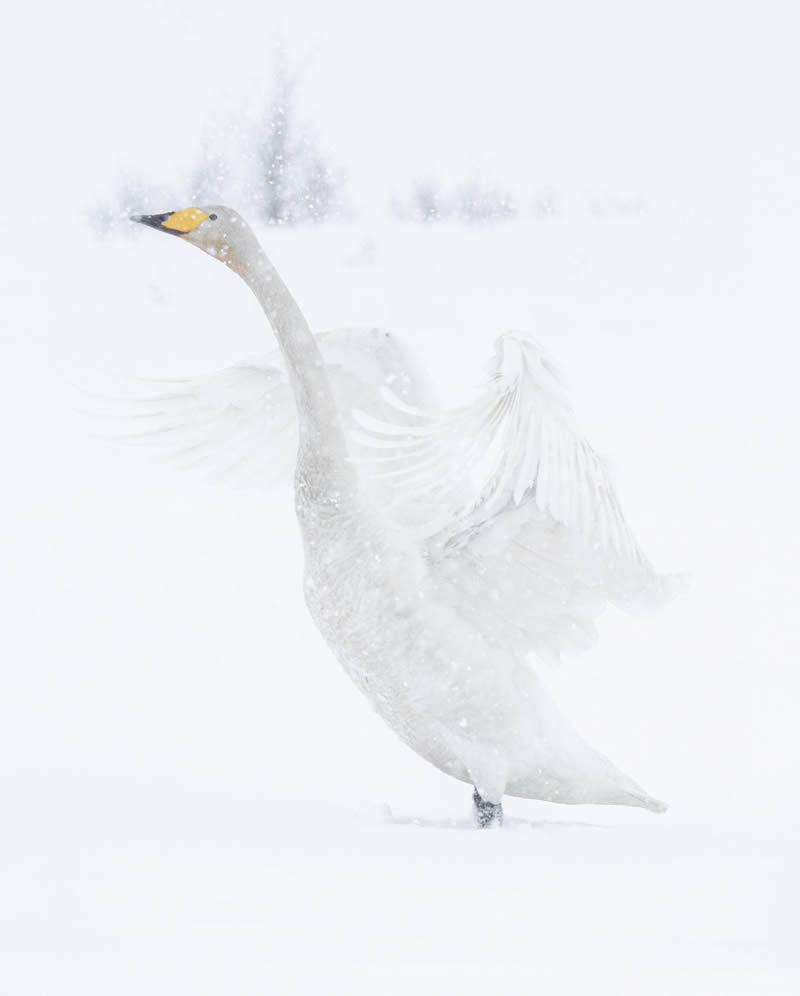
pixel 197 801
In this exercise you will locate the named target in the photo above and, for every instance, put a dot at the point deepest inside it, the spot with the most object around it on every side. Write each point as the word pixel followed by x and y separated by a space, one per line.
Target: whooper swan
pixel 443 549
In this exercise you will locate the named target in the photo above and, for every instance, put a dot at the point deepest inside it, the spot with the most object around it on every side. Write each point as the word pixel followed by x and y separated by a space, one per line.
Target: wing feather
pixel 238 425
pixel 536 545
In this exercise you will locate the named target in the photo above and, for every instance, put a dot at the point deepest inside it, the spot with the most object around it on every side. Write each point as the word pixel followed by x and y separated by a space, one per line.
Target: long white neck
pixel 322 451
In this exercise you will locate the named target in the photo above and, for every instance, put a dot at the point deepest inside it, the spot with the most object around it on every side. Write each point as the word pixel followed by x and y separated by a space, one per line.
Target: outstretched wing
pixel 239 425
pixel 537 545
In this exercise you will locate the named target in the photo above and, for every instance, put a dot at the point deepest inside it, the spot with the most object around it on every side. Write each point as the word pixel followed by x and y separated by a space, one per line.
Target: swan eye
pixel 212 217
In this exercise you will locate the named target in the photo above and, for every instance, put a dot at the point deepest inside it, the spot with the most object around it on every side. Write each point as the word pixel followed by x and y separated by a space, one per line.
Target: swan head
pixel 217 230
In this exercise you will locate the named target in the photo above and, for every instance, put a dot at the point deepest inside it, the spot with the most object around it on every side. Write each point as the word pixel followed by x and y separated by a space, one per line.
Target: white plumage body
pixel 475 711
pixel 443 550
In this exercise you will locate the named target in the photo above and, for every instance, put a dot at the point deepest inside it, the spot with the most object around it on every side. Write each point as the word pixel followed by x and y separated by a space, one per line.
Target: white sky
pixel 682 101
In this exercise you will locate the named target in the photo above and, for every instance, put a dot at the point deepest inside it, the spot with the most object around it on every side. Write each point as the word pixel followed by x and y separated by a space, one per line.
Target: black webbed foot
pixel 487 814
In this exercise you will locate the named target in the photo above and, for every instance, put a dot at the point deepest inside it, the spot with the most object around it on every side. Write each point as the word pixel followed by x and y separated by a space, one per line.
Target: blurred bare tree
pixel 481 202
pixel 473 201
pixel 270 163
pixel 295 182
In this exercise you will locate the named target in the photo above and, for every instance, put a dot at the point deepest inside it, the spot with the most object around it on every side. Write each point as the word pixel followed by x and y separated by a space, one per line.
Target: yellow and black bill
pixel 173 222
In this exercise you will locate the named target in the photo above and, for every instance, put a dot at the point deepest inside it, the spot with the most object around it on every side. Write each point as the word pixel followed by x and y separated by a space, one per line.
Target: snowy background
pixel 195 799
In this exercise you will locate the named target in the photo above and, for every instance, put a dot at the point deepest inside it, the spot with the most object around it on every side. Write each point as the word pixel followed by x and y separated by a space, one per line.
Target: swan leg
pixel 487 814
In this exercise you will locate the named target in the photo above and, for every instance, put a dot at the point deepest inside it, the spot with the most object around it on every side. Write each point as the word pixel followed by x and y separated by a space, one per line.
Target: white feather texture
pixel 239 425
pixel 527 535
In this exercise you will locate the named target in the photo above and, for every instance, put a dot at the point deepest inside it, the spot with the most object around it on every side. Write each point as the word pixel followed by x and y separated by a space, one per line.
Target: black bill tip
pixel 156 221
